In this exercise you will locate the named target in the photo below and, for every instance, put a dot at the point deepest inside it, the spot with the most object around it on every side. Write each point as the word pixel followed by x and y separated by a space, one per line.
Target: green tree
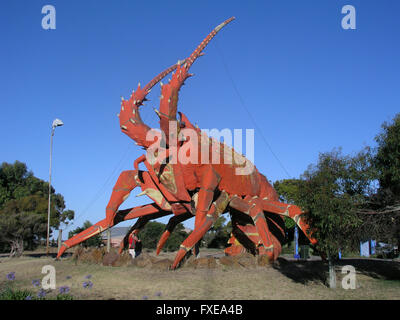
pixel 288 190
pixel 387 162
pixel 19 228
pixel 18 185
pixel 332 192
pixel 94 241
pixel 21 194
pixel 381 217
pixel 151 233
pixel 219 234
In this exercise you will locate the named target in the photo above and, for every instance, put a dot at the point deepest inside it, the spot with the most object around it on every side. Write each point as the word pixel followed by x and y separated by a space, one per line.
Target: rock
pixel 82 255
pixel 143 260
pixel 110 258
pixel 162 264
pixel 263 261
pixel 94 256
pixel 205 263
pixel 97 255
pixel 229 262
pixel 77 253
pixel 242 260
pixel 246 260
pixel 190 262
pixel 124 259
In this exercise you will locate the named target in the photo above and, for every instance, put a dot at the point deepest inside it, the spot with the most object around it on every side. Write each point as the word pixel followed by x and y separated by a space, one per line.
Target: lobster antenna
pixel 160 76
pixel 196 53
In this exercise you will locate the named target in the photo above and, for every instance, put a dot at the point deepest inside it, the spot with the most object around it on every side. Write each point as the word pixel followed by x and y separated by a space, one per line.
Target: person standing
pixel 132 244
pixel 138 247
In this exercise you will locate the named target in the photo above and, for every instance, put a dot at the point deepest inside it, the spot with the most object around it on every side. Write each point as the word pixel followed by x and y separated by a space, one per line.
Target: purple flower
pixel 88 276
pixel 68 277
pixel 88 284
pixel 158 294
pixel 63 289
pixel 145 297
pixel 11 276
pixel 41 293
pixel 28 297
pixel 36 282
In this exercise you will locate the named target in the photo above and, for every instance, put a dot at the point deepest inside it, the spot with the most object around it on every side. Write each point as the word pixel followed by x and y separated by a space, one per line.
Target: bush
pixel 10 294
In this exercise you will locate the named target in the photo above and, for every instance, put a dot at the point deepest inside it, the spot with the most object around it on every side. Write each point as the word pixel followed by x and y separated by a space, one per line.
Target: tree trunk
pixel 332 274
pixel 17 247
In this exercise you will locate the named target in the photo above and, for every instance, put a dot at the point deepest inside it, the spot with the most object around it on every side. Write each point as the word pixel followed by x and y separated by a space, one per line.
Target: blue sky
pixel 309 85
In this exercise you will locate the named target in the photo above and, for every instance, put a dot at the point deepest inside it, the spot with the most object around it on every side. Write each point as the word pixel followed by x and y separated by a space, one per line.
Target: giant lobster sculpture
pixel 204 189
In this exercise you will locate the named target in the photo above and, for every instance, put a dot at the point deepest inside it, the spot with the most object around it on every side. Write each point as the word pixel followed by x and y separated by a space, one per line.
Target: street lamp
pixel 56 123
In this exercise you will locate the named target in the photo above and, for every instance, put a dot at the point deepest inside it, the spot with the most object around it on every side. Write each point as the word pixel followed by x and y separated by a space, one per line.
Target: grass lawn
pixel 285 280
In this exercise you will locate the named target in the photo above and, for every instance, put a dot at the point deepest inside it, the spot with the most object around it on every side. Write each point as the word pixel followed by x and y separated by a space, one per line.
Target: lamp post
pixel 56 123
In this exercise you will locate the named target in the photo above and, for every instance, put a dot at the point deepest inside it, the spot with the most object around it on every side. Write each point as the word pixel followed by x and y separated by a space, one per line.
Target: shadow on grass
pixel 317 271
pixel 302 271
pixel 40 255
pixel 386 270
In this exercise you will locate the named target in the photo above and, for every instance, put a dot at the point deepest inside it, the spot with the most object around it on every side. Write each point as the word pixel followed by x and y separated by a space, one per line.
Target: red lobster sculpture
pixel 204 189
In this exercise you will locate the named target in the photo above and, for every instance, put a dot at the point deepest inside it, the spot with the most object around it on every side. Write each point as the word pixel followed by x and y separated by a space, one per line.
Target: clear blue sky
pixel 309 85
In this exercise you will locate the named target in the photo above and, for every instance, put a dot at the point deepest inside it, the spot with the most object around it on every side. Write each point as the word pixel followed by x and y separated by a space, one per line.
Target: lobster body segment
pixel 201 187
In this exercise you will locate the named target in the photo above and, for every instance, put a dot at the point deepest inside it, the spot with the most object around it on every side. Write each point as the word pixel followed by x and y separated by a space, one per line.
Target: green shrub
pixel 10 294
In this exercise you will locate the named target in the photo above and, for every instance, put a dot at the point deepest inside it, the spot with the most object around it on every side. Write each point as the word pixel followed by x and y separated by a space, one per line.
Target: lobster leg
pixel 209 183
pixel 103 225
pixel 216 208
pixel 125 184
pixel 139 225
pixel 242 235
pixel 291 211
pixel 253 208
pixel 172 223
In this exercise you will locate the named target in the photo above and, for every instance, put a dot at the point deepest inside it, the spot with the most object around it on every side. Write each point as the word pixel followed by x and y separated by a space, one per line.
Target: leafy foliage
pixel 387 161
pixel 176 238
pixel 15 294
pixel 381 217
pixel 152 232
pixel 21 191
pixel 288 190
pixel 23 208
pixel 219 234
pixel 19 227
pixel 331 192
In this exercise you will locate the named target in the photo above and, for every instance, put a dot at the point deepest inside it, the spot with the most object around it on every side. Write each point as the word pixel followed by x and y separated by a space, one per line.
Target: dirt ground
pixel 286 279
